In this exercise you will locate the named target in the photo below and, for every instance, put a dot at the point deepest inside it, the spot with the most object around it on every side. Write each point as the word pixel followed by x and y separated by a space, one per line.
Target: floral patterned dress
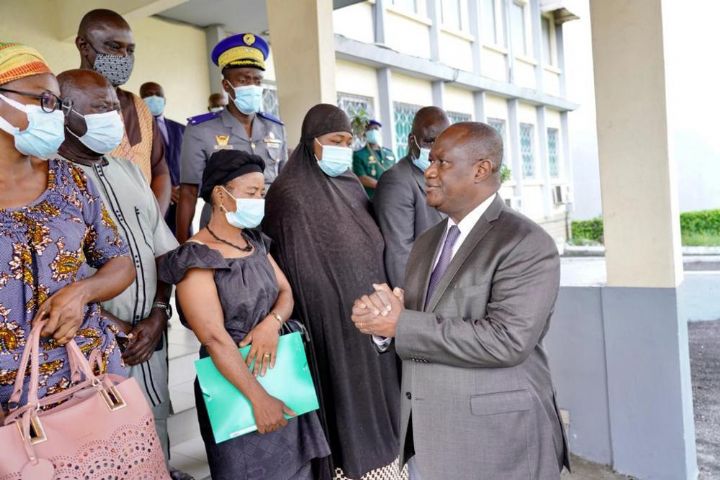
pixel 45 246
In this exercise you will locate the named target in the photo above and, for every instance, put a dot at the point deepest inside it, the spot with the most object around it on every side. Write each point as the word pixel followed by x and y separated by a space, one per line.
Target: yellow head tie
pixel 18 61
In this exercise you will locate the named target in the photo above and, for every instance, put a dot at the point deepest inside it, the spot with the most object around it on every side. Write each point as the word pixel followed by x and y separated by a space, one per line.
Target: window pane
pixel 502 13
pixel 553 163
pixel 457 117
pixel 404 114
pixel 409 5
pixel 547 42
pixel 527 150
pixel 487 15
pixel 517 22
pixel 451 14
pixel 356 105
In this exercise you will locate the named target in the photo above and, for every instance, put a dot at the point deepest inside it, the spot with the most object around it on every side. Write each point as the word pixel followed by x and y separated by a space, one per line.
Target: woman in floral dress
pixel 52 226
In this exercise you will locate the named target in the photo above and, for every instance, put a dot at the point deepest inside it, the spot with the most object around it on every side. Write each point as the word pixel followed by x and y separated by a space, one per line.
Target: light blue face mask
pixel 44 134
pixel 249 212
pixel 335 160
pixel 155 104
pixel 373 137
pixel 248 99
pixel 104 131
pixel 422 161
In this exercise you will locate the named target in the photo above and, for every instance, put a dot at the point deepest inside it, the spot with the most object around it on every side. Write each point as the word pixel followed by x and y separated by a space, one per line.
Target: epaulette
pixel 272 118
pixel 203 117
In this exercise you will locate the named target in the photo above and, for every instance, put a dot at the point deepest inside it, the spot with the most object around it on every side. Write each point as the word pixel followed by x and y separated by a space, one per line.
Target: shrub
pixel 588 230
pixel 702 222
pixel 698 228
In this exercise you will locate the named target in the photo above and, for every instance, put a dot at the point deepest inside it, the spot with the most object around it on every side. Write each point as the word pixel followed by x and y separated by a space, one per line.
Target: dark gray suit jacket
pixel 403 215
pixel 475 373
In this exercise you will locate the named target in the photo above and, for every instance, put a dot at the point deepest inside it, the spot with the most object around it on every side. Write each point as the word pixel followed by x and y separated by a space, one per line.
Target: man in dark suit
pixel 400 205
pixel 172 134
pixel 477 396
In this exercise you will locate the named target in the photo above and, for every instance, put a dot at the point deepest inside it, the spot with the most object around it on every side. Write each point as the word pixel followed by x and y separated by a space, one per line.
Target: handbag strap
pixel 79 366
pixel 32 345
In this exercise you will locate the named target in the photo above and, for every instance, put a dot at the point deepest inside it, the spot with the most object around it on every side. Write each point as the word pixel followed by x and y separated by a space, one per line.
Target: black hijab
pixel 328 245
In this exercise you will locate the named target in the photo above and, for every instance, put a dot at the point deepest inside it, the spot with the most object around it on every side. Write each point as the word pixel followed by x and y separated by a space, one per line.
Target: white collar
pixel 471 219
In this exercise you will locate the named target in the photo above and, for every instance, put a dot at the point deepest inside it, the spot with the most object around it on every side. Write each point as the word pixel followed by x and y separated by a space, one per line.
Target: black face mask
pixel 116 68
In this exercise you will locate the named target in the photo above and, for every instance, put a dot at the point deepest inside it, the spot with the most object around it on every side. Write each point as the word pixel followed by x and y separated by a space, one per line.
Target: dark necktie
pixel 443 261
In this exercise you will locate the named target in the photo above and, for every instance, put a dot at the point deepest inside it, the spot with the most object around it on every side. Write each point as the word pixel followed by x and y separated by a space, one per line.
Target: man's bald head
pixel 75 84
pixel 478 141
pixel 104 32
pixel 90 93
pixel 149 89
pixel 101 19
pixel 429 122
pixel 464 168
pixel 428 115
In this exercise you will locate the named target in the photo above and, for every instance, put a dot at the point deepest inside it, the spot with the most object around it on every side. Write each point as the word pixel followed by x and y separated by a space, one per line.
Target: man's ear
pixel 483 169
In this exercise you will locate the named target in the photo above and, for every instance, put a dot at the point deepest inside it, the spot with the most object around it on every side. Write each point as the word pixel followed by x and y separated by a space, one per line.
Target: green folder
pixel 230 412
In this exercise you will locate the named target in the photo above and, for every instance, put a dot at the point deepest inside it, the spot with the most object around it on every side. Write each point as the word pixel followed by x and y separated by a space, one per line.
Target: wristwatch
pixel 165 307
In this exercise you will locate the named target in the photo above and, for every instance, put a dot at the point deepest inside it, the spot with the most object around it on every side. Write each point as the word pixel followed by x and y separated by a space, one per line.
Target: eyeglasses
pixel 49 102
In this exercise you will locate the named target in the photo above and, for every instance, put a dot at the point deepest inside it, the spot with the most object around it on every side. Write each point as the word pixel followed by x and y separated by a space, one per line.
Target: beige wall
pixel 173 55
pixel 411 90
pixel 358 80
pixel 355 21
pixel 459 100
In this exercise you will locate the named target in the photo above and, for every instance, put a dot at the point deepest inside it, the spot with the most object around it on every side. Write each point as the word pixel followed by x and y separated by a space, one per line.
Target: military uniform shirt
pixel 372 163
pixel 223 131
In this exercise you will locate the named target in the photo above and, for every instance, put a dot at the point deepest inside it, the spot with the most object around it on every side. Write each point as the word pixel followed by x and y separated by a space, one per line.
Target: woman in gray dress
pixel 231 292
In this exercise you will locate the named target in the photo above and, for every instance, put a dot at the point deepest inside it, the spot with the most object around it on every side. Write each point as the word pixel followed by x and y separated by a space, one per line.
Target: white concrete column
pixel 433 10
pixel 213 35
pixel 536 32
pixel 513 126
pixel 646 345
pixel 379 21
pixel 384 76
pixel 438 93
pixel 508 36
pixel 637 176
pixel 474 14
pixel 479 106
pixel 544 165
pixel 303 46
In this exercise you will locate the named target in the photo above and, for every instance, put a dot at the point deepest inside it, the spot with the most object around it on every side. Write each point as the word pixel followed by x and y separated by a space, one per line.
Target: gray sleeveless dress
pixel 248 290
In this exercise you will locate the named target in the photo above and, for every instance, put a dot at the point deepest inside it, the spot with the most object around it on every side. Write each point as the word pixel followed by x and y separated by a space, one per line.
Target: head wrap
pixel 225 165
pixel 18 61
pixel 324 118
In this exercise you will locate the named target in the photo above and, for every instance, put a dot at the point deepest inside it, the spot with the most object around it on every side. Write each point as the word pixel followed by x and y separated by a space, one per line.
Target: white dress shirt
pixel 465 226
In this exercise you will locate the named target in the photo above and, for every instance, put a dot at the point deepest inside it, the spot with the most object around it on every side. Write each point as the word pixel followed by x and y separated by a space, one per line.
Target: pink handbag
pixel 103 429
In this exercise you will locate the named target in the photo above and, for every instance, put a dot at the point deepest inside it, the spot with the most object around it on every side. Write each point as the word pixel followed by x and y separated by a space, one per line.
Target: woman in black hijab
pixel 328 245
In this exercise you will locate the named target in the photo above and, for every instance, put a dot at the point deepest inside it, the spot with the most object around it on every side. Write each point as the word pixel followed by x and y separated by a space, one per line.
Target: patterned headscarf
pixel 19 61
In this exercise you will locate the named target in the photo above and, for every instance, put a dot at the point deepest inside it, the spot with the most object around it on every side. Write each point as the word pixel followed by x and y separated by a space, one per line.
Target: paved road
pixel 705 364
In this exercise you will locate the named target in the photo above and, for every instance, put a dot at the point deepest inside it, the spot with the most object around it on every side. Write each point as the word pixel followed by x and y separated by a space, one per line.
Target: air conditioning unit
pixel 561 194
pixel 514 202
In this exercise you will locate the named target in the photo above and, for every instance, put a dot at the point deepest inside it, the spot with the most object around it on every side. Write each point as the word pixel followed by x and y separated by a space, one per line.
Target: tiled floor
pixel 187 451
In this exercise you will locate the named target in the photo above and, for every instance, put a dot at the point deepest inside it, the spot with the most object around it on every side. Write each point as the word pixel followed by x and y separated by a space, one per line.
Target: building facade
pixel 497 61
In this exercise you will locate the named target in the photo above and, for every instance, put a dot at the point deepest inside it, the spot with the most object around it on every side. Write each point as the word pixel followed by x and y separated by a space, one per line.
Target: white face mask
pixel 104 132
pixel 44 133
pixel 335 160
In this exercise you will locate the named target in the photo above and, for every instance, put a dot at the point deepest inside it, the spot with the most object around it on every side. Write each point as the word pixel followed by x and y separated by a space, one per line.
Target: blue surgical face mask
pixel 104 131
pixel 155 104
pixel 248 99
pixel 44 134
pixel 335 160
pixel 249 212
pixel 373 137
pixel 422 161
